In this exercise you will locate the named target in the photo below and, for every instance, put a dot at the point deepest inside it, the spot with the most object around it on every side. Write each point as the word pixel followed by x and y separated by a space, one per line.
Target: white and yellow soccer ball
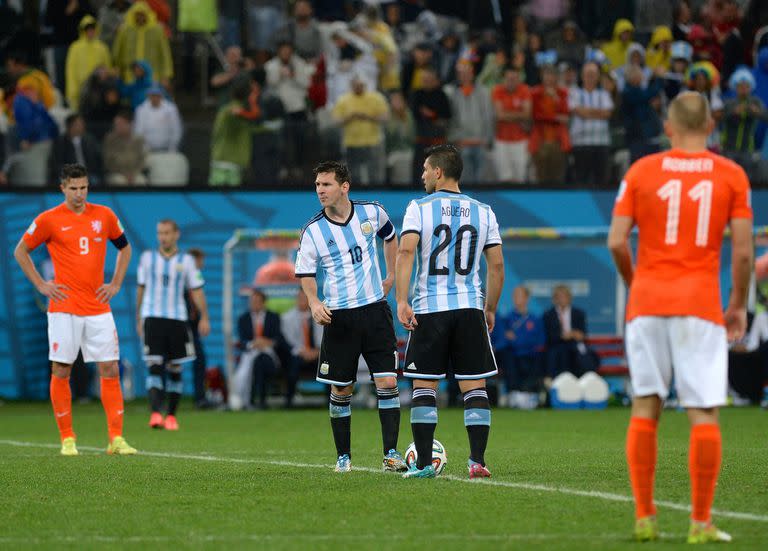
pixel 439 457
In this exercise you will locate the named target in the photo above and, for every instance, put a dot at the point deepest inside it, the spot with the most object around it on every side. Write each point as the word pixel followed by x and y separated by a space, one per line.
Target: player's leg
pixel 423 421
pixel 173 389
pixel 180 349
pixel 701 375
pixel 101 345
pixel 650 366
pixel 155 350
pixel 473 361
pixel 340 410
pixel 65 333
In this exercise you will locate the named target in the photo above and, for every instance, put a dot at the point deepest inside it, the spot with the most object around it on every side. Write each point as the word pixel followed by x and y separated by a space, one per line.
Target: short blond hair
pixel 690 112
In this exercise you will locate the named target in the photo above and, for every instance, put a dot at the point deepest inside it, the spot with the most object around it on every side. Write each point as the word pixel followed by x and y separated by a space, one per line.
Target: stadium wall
pixel 208 219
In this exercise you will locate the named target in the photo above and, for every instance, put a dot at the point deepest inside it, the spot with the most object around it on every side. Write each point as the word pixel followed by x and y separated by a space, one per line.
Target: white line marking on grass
pixel 500 483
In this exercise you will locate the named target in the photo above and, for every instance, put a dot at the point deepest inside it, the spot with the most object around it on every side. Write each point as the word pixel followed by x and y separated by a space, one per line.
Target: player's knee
pixel 477 408
pixel 342 390
pixel 386 382
pixel 109 369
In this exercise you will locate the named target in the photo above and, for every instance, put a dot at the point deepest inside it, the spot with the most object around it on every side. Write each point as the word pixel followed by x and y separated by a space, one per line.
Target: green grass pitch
pixel 264 480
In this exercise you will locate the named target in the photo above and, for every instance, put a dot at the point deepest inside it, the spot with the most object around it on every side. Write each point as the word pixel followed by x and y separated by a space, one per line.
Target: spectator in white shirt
pixel 158 122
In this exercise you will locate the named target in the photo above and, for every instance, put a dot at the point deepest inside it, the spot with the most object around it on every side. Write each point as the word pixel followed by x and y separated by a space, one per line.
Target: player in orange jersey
pixel 681 200
pixel 76 234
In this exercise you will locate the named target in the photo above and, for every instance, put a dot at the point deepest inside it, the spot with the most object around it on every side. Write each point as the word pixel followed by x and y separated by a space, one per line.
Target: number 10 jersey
pixel 454 230
pixel 347 253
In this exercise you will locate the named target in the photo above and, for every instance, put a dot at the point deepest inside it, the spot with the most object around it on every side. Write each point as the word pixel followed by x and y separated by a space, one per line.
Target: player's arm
pixel 390 259
pixel 320 312
pixel 109 290
pixel 403 269
pixel 741 273
pixel 139 301
pixel 49 289
pixel 200 302
pixel 494 282
pixel 618 244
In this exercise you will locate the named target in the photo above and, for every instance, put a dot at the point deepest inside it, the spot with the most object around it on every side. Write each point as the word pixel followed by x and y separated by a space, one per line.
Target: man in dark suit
pixel 76 146
pixel 565 328
pixel 260 341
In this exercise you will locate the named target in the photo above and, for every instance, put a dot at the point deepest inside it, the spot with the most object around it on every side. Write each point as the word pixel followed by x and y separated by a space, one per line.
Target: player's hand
pixel 388 282
pixel 309 354
pixel 106 292
pixel 735 323
pixel 320 313
pixel 204 326
pixel 53 291
pixel 406 316
pixel 490 320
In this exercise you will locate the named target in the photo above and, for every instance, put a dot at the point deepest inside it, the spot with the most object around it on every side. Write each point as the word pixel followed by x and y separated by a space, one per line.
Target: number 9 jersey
pixel 453 230
pixel 681 203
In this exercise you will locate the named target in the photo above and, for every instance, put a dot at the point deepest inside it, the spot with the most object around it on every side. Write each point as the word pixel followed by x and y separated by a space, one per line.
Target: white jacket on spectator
pixel 159 126
pixel 291 89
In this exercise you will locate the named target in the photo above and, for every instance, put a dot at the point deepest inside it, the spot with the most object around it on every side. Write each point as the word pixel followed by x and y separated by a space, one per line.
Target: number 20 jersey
pixel 347 253
pixel 453 230
pixel 681 203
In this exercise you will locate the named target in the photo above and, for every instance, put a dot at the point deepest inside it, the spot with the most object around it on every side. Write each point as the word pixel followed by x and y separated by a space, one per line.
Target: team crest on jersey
pixel 324 367
pixel 96 225
pixel 179 267
pixel 366 227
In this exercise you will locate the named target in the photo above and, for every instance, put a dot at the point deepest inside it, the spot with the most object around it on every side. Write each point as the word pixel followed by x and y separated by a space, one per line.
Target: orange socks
pixel 705 456
pixel 112 400
pixel 641 457
pixel 61 398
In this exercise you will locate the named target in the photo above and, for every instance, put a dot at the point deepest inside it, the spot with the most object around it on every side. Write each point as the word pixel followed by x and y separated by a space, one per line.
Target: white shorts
pixel 96 335
pixel 693 349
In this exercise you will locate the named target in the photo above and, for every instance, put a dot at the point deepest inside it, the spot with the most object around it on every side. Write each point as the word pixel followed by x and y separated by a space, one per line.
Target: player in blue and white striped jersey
pixel 451 316
pixel 162 318
pixel 340 241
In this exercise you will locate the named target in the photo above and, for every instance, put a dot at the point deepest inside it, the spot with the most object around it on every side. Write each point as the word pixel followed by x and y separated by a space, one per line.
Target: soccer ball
pixel 439 457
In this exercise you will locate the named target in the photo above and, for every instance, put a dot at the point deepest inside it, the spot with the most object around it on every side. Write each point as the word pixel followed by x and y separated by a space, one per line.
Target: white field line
pixel 501 483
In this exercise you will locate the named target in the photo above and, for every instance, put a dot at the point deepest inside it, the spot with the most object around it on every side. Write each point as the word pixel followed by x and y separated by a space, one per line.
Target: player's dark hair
pixel 448 159
pixel 125 113
pixel 70 120
pixel 196 253
pixel 170 221
pixel 72 172
pixel 339 169
pixel 259 292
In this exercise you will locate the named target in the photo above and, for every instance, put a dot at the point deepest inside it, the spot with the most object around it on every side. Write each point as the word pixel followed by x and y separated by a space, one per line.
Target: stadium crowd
pixel 545 91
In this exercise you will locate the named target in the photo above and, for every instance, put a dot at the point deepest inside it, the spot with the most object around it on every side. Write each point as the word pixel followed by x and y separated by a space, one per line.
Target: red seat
pixel 610 349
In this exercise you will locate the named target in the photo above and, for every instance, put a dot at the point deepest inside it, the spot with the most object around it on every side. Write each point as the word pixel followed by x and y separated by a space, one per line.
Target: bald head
pixel 689 113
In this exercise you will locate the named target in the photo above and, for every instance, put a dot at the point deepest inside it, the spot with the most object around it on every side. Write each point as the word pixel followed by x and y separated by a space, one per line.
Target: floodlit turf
pixel 265 481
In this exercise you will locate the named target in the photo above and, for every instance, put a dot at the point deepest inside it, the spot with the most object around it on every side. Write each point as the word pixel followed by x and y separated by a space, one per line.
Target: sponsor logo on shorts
pixel 324 368
pixel 411 366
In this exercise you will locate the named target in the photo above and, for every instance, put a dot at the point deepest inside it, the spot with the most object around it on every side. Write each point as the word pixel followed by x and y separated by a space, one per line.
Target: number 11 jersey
pixel 454 230
pixel 681 203
pixel 347 253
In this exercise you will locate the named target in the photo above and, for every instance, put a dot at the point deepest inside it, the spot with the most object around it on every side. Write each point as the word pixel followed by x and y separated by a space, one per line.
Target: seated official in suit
pixel 259 340
pixel 565 328
pixel 76 146
pixel 303 336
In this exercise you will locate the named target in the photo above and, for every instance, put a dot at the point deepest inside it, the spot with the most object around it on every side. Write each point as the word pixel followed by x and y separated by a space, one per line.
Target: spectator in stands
pixel 512 107
pixel 570 44
pixel 362 114
pixel 303 336
pixel 288 77
pixel 265 17
pixel 232 138
pixel 33 122
pixel 635 58
pixel 520 31
pixel 385 49
pixel 616 49
pixel 659 53
pixel 704 79
pixel 705 46
pixel 349 55
pixel 568 77
pixel 674 81
pixel 125 155
pixel 63 18
pixel 591 108
pixel 85 55
pixel 494 64
pixel 414 69
pixel 135 92
pixel 158 122
pixel 549 144
pixel 237 65
pixel 565 330
pixel 141 37
pixel 733 48
pixel 760 72
pixel 432 114
pixel 263 110
pixel 522 343
pixel 741 116
pixel 100 101
pixel 649 15
pixel 400 133
pixel 111 16
pixel 533 50
pixel 27 77
pixel 76 146
pixel 448 53
pixel 259 338
pixel 619 156
pixel 640 105
pixel 303 32
pixel 471 127
pixel 681 15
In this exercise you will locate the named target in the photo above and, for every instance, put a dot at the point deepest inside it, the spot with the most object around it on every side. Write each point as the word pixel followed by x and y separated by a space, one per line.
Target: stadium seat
pixel 168 169
pixel 30 167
